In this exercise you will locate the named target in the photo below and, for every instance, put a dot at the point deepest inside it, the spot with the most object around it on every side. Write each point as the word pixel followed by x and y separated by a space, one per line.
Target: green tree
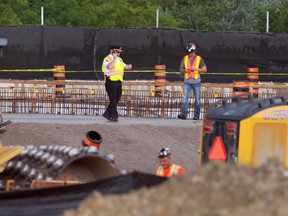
pixel 208 15
pixel 132 13
pixel 25 14
pixel 85 13
pixel 231 15
pixel 213 15
pixel 7 15
pixel 166 5
pixel 278 16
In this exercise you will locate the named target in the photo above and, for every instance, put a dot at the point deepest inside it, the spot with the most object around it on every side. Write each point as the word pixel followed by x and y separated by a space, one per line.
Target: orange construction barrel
pixel 59 78
pixel 253 78
pixel 241 88
pixel 160 78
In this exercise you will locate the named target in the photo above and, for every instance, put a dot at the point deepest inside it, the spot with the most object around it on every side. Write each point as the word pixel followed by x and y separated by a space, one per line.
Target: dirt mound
pixel 214 189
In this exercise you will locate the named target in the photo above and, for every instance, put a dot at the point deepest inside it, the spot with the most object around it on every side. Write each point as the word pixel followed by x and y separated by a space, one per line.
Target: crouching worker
pixel 167 168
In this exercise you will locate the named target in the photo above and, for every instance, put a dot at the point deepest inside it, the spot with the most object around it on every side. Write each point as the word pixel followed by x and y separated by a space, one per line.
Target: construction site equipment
pixel 3 43
pixel 245 131
pixel 7 153
pixel 48 166
pixel 62 163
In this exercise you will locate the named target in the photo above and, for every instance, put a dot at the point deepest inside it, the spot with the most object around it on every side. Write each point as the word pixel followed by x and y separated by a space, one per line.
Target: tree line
pixel 204 15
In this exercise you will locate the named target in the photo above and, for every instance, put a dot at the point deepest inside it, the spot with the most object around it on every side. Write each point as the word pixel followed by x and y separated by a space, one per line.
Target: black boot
pixel 182 116
pixel 196 117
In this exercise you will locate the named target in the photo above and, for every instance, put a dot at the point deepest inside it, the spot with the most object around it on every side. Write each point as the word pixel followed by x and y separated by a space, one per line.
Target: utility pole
pixel 42 16
pixel 267 22
pixel 157 18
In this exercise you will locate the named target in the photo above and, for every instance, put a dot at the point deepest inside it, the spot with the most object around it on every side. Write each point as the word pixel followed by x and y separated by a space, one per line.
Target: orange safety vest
pixel 196 64
pixel 117 73
pixel 173 170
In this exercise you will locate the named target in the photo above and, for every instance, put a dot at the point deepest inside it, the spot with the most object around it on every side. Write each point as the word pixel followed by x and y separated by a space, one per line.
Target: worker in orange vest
pixel 192 66
pixel 167 168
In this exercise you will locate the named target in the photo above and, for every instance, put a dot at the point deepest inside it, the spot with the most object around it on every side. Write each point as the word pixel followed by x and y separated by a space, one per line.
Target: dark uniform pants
pixel 114 91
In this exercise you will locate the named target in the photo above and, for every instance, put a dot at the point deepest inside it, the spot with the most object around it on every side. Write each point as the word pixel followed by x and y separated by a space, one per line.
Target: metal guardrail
pixel 138 100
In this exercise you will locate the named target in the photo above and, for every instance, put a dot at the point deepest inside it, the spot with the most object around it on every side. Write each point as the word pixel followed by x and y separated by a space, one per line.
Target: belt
pixel 108 78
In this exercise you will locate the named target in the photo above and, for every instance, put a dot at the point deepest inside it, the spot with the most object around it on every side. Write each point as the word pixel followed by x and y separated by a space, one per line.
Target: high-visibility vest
pixel 188 65
pixel 118 71
pixel 173 170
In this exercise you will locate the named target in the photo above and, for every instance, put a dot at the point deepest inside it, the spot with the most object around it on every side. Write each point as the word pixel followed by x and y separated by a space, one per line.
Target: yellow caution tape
pixel 28 70
pixel 141 71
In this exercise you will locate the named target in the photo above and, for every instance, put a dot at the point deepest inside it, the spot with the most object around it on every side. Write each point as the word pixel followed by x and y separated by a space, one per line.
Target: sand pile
pixel 214 189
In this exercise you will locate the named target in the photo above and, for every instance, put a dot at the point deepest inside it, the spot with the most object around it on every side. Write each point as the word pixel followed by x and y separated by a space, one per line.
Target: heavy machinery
pixel 46 166
pixel 3 43
pixel 245 131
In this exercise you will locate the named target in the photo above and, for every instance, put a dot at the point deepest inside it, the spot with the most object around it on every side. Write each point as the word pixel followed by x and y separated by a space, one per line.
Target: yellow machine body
pixel 7 153
pixel 263 136
pixel 246 131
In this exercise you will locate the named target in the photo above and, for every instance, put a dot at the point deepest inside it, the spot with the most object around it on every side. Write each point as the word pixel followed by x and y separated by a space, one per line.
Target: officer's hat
pixel 116 48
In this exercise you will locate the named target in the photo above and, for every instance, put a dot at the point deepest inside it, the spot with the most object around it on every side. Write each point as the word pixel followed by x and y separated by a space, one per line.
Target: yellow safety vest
pixel 117 73
pixel 188 65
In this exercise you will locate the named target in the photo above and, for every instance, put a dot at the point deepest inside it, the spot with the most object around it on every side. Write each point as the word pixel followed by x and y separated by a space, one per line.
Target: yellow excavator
pixel 245 131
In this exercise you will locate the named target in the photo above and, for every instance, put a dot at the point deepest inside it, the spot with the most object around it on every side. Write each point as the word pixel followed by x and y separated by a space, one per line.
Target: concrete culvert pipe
pixel 92 138
pixel 87 169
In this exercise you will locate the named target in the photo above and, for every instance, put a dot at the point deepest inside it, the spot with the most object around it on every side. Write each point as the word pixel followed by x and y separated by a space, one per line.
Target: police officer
pixel 113 67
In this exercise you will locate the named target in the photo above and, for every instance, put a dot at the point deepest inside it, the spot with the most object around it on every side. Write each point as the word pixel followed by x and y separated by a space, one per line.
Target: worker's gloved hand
pixel 128 67
pixel 195 69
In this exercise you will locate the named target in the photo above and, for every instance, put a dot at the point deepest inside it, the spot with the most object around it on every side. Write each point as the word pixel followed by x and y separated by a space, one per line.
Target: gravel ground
pixel 134 142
